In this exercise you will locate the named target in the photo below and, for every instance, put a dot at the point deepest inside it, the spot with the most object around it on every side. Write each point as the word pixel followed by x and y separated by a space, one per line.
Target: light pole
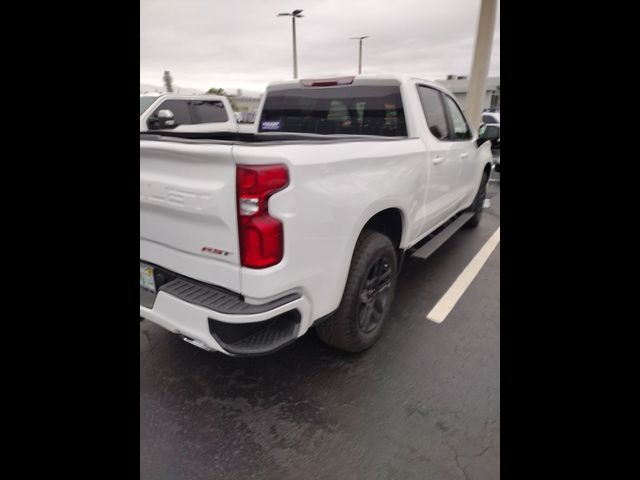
pixel 360 52
pixel 481 59
pixel 295 14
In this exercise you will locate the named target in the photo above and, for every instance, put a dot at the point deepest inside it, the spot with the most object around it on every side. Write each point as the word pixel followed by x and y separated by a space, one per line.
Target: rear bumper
pixel 219 320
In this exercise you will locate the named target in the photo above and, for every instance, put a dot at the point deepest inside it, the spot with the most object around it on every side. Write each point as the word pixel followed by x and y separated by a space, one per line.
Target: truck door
pixel 462 147
pixel 443 160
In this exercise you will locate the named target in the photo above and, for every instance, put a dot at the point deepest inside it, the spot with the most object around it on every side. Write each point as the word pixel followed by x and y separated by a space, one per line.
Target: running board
pixel 426 250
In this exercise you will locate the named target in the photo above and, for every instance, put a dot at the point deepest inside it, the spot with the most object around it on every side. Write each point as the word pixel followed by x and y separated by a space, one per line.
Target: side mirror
pixel 489 133
pixel 162 120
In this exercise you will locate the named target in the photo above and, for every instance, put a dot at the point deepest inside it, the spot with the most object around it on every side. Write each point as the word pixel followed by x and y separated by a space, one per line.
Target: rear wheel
pixel 367 298
pixel 478 203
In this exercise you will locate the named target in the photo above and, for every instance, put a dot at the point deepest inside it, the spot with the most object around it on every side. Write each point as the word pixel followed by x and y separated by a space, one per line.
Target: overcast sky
pixel 241 43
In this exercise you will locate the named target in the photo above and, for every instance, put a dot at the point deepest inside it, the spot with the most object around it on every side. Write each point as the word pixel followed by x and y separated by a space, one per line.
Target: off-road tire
pixel 347 328
pixel 478 203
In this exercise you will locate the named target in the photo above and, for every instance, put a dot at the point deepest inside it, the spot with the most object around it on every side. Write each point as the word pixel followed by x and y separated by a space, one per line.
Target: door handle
pixel 438 159
pixel 464 155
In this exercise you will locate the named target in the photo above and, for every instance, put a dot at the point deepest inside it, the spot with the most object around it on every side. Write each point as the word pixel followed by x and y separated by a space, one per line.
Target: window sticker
pixel 271 125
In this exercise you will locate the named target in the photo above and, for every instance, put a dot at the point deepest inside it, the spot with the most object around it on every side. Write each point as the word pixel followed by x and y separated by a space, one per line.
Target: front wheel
pixel 367 298
pixel 478 203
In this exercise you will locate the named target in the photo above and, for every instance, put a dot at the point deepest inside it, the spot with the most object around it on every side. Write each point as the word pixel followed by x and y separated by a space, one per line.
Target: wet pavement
pixel 423 403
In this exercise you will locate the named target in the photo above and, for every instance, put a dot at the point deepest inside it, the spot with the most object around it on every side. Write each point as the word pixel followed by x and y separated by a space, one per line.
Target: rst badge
pixel 215 251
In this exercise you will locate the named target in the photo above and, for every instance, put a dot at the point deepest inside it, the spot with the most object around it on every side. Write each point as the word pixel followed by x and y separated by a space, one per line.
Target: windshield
pixel 352 110
pixel 145 102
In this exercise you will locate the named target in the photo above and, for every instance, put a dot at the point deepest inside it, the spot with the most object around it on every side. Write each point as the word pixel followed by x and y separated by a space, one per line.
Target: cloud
pixel 241 43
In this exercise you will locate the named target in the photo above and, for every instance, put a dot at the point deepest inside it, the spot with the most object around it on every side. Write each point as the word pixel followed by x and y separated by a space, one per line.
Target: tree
pixel 220 91
pixel 168 81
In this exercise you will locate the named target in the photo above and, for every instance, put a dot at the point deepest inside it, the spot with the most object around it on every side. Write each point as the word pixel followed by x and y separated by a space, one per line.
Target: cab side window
pixel 461 130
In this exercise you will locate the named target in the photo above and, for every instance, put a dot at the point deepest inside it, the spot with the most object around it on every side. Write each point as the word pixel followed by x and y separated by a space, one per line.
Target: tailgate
pixel 188 218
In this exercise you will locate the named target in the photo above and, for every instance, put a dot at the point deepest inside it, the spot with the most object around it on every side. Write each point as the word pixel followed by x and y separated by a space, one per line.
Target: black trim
pixel 257 338
pixel 212 297
pixel 436 240
pixel 318 321
pixel 147 298
pixel 401 259
pixel 218 300
pixel 260 139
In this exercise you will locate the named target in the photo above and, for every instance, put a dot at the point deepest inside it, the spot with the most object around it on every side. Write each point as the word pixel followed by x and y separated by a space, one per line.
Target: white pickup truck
pixel 182 113
pixel 249 240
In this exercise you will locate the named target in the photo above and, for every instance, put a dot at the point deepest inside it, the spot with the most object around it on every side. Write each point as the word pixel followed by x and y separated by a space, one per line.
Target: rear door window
pixel 461 130
pixel 434 112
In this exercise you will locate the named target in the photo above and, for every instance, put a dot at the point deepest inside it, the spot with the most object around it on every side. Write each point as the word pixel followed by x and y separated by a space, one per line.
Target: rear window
pixel 349 110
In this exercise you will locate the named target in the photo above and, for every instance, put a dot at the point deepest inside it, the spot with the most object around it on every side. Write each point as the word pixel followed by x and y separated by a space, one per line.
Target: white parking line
pixel 451 297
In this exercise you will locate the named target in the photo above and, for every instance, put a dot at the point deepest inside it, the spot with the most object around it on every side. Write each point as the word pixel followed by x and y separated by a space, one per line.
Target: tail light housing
pixel 327 82
pixel 261 235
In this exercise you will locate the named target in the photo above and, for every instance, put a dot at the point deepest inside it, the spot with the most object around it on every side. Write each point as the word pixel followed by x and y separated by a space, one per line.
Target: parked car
pixel 491 117
pixel 181 113
pixel 249 240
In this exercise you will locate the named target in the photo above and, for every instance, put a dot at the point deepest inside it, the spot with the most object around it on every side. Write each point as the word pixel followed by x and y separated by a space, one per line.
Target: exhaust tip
pixel 196 343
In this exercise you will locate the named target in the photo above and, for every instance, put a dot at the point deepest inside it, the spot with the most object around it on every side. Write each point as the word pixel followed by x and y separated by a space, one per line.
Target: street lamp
pixel 360 53
pixel 295 14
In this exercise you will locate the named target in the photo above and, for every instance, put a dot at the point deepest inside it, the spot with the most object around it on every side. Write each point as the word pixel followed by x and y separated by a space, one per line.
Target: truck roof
pixel 363 79
pixel 177 96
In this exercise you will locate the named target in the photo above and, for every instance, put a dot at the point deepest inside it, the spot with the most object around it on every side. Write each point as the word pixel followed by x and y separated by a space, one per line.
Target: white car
pixel 182 113
pixel 249 240
pixel 491 117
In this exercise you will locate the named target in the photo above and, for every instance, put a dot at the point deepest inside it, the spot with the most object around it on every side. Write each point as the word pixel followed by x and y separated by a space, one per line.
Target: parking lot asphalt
pixel 423 403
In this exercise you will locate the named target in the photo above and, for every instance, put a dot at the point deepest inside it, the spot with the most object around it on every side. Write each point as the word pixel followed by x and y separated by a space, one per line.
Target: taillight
pixel 327 82
pixel 261 236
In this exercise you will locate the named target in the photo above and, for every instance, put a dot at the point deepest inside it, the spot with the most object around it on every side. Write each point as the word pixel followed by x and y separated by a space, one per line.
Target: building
pixel 459 85
pixel 246 104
